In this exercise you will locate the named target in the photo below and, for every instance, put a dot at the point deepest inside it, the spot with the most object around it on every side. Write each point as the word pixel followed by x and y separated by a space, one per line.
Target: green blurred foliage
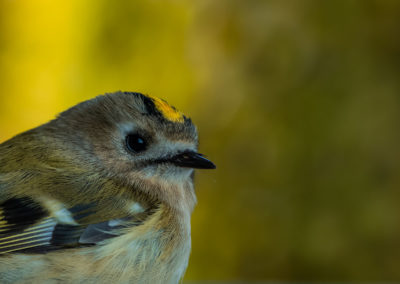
pixel 297 102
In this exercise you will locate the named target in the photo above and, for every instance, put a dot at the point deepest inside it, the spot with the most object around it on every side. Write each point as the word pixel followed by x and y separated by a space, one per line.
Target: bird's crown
pixel 168 112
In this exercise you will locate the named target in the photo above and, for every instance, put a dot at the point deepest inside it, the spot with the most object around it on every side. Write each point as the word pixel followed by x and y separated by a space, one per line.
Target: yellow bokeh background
pixel 297 102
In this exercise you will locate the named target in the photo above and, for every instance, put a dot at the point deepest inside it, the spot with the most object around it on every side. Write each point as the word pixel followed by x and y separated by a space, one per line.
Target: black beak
pixel 192 160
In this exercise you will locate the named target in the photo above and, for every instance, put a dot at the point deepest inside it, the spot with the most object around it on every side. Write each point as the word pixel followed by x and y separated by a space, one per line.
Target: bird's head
pixel 132 137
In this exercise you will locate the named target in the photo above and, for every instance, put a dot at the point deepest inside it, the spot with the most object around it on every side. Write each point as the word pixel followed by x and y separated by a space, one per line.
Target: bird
pixel 103 193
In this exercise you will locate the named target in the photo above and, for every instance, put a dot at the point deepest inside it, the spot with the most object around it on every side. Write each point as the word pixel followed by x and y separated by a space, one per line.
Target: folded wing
pixel 27 227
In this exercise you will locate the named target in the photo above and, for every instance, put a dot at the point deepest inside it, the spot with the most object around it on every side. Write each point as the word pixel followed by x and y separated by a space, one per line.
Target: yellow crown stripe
pixel 166 110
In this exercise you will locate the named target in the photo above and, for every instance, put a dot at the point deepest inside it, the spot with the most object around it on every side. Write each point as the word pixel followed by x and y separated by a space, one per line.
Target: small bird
pixel 101 194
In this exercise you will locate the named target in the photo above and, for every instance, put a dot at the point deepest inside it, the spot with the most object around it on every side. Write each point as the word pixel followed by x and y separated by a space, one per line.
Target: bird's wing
pixel 27 226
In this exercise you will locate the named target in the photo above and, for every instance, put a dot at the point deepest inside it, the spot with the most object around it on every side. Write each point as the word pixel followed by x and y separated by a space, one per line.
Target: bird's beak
pixel 193 160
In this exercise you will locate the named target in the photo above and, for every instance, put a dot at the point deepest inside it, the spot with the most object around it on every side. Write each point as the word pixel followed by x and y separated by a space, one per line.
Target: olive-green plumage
pixel 101 194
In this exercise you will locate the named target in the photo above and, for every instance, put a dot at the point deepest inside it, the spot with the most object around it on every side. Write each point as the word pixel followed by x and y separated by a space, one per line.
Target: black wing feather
pixel 26 227
pixel 17 214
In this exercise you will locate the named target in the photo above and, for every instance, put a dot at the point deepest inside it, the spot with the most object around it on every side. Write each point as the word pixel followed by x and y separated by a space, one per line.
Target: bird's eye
pixel 135 143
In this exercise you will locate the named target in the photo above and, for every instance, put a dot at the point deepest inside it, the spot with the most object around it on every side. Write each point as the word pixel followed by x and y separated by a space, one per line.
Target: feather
pixel 27 227
pixel 16 214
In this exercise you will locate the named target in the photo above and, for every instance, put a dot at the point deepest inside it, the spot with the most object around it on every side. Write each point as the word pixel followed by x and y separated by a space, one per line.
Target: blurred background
pixel 297 102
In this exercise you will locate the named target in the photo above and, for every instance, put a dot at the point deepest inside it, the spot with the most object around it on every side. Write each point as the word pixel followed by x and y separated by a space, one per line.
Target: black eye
pixel 136 143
